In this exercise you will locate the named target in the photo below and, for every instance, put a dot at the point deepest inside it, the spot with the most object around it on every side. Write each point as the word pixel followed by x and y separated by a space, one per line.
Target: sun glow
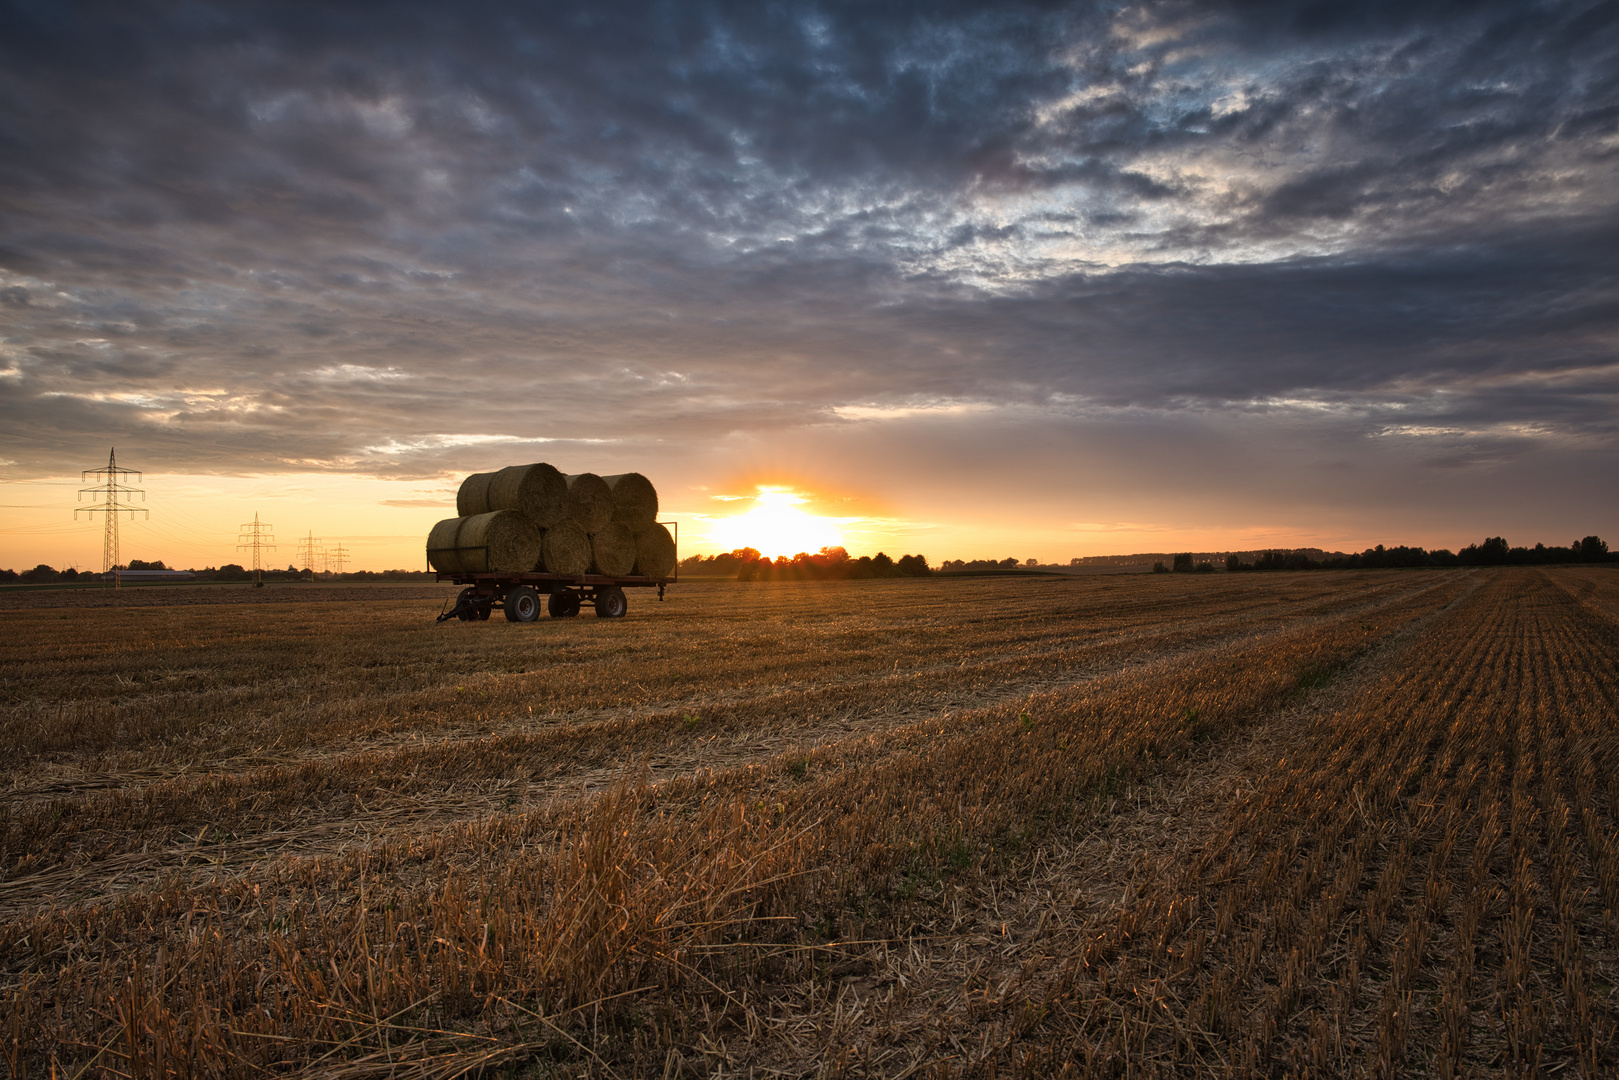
pixel 775 525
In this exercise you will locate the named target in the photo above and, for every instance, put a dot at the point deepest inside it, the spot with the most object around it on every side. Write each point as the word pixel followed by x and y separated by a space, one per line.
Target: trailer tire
pixel 564 604
pixel 522 604
pixel 465 611
pixel 611 603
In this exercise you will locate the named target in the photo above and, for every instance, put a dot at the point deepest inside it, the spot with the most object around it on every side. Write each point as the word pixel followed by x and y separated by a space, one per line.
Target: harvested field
pixel 1328 824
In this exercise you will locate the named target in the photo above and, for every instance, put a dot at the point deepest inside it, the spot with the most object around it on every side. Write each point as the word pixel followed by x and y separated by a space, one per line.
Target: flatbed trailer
pixel 518 595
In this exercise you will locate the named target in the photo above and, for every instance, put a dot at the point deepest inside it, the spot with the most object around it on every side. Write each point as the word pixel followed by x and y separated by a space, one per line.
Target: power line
pixel 256 534
pixel 110 486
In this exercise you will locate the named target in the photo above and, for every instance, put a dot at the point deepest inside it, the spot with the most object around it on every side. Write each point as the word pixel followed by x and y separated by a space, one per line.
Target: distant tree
pixel 141 564
pixel 1183 563
pixel 40 574
pixel 1031 562
pixel 8 577
pixel 1233 563
pixel 913 565
pixel 1008 563
pixel 1159 568
pixel 1591 549
pixel 232 572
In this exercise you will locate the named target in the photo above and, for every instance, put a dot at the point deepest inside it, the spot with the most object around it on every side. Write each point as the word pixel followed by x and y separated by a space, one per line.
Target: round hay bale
pixel 635 500
pixel 565 549
pixel 442 554
pixel 473 497
pixel 612 549
pixel 538 491
pixel 654 552
pixel 590 503
pixel 502 541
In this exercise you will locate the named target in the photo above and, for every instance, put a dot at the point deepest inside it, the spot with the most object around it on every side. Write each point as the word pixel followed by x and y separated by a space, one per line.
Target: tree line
pixel 828 564
pixel 1494 551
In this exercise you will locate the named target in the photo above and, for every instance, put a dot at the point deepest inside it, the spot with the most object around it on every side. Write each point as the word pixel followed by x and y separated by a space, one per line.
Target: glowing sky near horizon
pixel 977 280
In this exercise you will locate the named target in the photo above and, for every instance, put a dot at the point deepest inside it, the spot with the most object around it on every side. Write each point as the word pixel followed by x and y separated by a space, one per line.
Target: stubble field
pixel 1325 824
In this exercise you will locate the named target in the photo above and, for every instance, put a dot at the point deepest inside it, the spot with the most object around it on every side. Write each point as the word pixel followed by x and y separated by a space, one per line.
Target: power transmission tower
pixel 110 486
pixel 308 552
pixel 256 535
pixel 336 558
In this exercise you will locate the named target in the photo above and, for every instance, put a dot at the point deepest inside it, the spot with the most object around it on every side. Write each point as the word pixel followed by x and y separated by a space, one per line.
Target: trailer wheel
pixel 564 604
pixel 522 604
pixel 466 612
pixel 610 603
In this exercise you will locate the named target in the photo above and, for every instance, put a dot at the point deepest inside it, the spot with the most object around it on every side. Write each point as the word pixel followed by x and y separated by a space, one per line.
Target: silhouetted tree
pixel 913 566
pixel 1183 563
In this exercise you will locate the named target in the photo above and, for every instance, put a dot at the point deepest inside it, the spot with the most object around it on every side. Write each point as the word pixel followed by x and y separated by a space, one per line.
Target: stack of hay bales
pixel 534 517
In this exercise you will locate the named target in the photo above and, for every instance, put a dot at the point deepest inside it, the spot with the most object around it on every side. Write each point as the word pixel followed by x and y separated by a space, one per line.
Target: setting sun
pixel 775 525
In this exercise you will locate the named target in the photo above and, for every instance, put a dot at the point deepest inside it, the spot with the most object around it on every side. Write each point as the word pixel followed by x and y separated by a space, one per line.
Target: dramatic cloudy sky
pixel 982 279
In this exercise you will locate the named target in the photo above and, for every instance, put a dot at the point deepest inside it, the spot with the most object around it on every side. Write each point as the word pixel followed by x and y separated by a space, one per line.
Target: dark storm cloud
pixel 261 236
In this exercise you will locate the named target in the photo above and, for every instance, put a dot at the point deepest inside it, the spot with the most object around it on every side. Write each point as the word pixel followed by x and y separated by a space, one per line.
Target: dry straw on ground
pixel 1230 825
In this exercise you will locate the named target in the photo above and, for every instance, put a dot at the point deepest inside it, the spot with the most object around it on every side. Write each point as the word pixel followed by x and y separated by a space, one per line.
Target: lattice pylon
pixel 308 551
pixel 256 535
pixel 110 487
pixel 335 559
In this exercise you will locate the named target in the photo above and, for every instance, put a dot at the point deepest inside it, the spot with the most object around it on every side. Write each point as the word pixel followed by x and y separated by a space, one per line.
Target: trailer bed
pixel 517 594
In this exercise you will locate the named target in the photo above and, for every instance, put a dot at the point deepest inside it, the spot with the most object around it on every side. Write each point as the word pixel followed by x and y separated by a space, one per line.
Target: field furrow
pixel 1324 824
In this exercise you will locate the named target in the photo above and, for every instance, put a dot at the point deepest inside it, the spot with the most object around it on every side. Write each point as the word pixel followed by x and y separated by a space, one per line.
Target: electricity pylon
pixel 335 559
pixel 308 552
pixel 109 485
pixel 256 535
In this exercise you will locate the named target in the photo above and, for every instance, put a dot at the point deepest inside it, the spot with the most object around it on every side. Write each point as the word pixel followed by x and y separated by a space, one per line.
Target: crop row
pixel 664 907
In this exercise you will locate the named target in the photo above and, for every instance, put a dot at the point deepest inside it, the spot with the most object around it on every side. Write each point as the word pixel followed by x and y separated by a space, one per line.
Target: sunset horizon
pixel 984 280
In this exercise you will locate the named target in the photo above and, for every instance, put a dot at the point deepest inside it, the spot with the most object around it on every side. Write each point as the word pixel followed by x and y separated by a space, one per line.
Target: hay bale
pixel 442 553
pixel 503 541
pixel 635 500
pixel 612 549
pixel 565 549
pixel 654 552
pixel 590 503
pixel 473 496
pixel 538 491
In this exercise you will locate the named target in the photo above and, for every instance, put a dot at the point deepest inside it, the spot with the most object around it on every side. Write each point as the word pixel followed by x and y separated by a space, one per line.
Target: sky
pixel 967 280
